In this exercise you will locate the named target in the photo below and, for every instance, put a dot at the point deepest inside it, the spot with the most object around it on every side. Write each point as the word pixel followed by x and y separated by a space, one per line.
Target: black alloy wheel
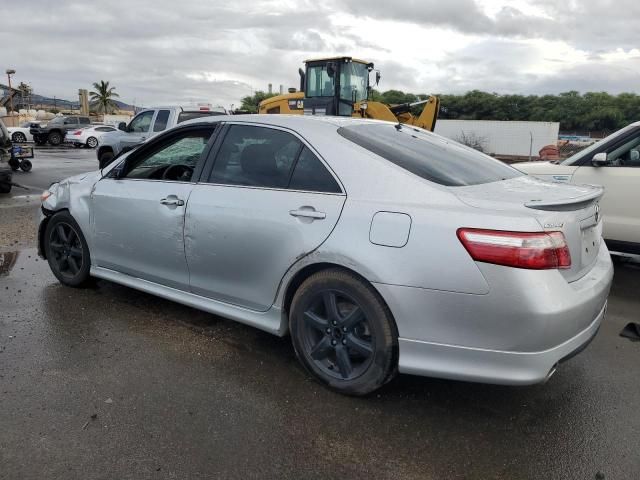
pixel 337 336
pixel 66 250
pixel 343 333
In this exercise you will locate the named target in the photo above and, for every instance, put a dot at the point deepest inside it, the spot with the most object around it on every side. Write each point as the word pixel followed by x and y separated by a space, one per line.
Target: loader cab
pixel 332 86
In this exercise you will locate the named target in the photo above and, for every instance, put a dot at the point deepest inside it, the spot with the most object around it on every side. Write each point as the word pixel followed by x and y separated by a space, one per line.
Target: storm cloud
pixel 168 52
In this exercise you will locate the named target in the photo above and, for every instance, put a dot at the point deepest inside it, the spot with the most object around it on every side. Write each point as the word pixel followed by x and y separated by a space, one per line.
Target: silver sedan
pixel 378 247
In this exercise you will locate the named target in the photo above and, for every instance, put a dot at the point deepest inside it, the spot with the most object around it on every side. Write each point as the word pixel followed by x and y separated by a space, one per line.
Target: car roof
pixel 294 122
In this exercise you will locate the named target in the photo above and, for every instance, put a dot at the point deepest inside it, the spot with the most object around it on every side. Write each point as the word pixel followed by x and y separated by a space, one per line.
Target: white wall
pixel 503 138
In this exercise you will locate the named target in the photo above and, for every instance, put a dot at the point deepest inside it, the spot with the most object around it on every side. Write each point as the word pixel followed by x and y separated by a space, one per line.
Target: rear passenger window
pixel 161 121
pixel 255 156
pixel 311 175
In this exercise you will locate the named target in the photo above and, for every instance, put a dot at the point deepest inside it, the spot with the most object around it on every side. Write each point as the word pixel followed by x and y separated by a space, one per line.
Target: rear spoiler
pixel 573 203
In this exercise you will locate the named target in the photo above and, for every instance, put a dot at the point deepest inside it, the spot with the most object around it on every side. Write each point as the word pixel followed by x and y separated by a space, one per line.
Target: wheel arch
pixel 48 214
pixel 295 280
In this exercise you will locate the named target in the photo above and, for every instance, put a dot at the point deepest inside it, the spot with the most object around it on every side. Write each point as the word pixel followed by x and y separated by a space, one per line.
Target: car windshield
pixel 428 155
pixel 587 151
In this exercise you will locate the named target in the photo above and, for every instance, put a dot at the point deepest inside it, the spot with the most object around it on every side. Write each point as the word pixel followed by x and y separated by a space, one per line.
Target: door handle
pixel 172 201
pixel 308 214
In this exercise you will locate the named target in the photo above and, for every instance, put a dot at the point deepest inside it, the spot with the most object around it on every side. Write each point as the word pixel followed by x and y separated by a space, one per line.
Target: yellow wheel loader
pixel 340 86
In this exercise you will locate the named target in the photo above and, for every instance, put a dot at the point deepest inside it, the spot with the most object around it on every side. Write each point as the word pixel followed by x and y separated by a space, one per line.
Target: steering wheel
pixel 179 170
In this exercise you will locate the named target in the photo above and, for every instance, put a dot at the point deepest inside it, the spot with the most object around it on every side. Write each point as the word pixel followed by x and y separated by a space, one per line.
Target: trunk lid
pixel 570 209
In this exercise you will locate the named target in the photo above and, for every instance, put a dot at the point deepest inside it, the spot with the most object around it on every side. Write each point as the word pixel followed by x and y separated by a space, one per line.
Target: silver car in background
pixel 378 247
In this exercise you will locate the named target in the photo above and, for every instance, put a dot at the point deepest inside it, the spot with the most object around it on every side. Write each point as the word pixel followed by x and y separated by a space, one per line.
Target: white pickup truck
pixel 146 124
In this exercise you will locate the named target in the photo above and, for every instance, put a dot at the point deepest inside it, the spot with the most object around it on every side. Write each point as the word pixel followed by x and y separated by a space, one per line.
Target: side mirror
pixel 600 160
pixel 377 77
pixel 634 155
pixel 122 126
pixel 119 170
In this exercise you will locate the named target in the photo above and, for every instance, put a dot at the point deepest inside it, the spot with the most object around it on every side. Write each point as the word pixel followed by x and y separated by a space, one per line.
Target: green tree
pixel 102 97
pixel 250 102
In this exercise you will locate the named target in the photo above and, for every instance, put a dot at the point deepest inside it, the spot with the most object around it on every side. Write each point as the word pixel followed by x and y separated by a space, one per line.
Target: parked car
pixel 55 130
pixel 379 247
pixel 145 125
pixel 88 136
pixel 6 173
pixel 22 133
pixel 614 163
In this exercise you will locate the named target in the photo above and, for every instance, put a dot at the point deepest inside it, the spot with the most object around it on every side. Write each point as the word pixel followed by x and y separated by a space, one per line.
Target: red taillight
pixel 77 132
pixel 539 250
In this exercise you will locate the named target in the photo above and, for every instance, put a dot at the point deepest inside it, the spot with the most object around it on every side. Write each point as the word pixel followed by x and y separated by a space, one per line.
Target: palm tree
pixel 102 97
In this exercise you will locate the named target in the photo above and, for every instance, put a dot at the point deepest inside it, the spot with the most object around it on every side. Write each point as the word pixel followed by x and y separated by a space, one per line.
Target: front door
pixel 621 179
pixel 268 202
pixel 138 129
pixel 138 218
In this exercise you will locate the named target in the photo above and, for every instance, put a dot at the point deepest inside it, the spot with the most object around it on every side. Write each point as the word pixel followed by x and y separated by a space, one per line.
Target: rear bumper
pixel 491 366
pixel 515 334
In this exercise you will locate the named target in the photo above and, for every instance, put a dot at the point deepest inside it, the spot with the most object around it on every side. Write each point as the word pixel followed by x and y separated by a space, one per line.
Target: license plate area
pixel 591 238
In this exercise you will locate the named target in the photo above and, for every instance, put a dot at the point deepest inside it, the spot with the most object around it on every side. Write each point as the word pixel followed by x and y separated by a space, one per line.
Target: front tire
pixel 19 137
pixel 67 250
pixel 343 333
pixel 55 138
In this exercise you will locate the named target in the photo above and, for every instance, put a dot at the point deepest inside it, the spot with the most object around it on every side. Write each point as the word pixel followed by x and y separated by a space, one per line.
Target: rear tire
pixel 92 142
pixel 67 250
pixel 19 137
pixel 5 187
pixel 343 333
pixel 55 138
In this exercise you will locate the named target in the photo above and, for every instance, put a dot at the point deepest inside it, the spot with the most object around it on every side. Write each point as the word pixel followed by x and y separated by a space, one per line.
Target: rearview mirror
pixel 331 69
pixel 599 160
pixel 122 126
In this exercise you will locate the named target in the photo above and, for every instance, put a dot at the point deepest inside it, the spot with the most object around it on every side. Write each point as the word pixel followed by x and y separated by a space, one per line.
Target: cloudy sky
pixel 170 52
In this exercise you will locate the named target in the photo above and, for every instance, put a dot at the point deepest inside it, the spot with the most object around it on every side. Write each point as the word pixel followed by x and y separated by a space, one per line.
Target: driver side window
pixel 174 160
pixel 142 122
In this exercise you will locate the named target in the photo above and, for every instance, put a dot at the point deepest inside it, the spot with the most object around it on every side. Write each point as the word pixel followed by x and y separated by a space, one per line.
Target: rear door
pixel 267 201
pixel 621 179
pixel 138 219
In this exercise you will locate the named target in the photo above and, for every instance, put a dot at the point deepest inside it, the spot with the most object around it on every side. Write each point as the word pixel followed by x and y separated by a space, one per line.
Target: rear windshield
pixel 184 116
pixel 428 155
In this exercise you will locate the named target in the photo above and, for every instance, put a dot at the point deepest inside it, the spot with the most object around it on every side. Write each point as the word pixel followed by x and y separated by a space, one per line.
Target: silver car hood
pixel 526 191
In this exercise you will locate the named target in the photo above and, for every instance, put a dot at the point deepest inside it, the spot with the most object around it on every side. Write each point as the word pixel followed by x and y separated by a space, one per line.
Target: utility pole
pixel 10 72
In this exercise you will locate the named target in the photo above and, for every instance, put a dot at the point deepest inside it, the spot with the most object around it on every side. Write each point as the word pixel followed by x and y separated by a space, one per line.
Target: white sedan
pixel 89 137
pixel 21 134
pixel 614 163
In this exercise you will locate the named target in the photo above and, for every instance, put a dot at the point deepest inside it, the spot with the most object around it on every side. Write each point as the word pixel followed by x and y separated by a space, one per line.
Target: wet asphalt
pixel 108 382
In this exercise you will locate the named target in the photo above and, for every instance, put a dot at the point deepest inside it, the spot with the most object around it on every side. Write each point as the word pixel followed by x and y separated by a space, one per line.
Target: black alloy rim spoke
pixel 67 251
pixel 336 335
